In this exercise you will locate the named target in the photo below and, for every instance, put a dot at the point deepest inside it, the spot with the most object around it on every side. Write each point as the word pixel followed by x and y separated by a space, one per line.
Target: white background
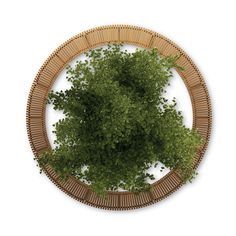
pixel 30 204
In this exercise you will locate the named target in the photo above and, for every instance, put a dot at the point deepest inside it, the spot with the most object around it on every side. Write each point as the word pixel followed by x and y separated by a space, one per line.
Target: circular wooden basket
pixel 79 44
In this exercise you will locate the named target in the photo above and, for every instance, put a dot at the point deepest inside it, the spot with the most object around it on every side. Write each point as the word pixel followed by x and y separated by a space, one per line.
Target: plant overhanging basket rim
pixel 56 62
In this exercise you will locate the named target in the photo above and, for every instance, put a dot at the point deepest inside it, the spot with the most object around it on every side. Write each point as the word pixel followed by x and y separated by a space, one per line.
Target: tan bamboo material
pixel 97 37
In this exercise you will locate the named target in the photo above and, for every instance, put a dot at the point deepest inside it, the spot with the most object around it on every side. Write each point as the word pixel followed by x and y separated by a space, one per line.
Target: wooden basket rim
pixel 202 115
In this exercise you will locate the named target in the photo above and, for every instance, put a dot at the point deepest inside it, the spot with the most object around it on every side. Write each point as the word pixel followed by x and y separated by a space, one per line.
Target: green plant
pixel 117 122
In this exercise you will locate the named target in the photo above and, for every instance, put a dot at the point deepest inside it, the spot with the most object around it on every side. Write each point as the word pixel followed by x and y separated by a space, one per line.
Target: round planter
pixel 79 44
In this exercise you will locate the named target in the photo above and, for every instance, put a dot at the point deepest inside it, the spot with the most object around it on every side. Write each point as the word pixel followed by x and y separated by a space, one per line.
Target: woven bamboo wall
pixel 90 39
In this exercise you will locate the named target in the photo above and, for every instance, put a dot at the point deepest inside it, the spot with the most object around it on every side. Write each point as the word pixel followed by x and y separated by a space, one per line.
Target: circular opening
pixel 176 89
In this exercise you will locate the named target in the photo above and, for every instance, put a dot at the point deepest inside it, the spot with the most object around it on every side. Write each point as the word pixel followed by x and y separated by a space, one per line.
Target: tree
pixel 118 123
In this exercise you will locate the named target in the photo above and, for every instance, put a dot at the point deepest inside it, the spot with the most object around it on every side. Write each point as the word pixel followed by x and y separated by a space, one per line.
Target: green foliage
pixel 117 122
